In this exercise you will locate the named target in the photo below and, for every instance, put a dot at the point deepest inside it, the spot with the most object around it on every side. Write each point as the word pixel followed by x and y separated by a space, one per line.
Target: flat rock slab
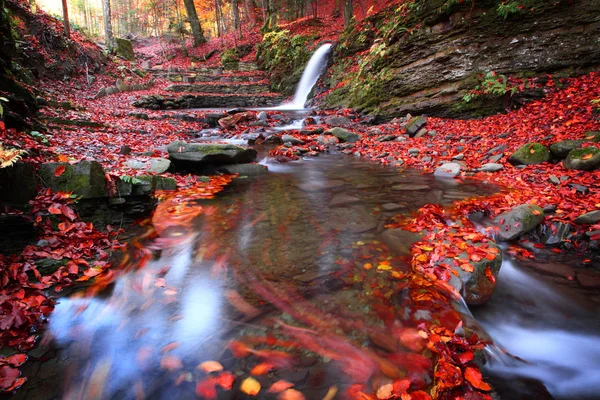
pixel 321 186
pixel 392 207
pixel 410 187
pixel 245 169
pixel 198 155
pixel 340 200
pixel 400 240
pixel 352 220
pixel 554 269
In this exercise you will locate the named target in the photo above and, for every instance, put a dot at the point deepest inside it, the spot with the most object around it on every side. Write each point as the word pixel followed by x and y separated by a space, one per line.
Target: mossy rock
pixel 518 221
pixel 85 179
pixel 196 155
pixel 343 135
pixel 562 149
pixel 530 153
pixel 124 49
pixel 592 136
pixel 585 159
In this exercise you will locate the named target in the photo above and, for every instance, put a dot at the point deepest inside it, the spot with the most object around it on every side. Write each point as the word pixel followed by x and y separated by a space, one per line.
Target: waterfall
pixel 311 74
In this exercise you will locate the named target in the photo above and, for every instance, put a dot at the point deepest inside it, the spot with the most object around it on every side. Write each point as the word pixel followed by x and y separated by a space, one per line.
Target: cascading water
pixel 311 74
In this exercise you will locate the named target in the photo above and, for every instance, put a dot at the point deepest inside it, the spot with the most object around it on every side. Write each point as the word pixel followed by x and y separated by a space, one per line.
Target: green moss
pixel 592 136
pixel 580 153
pixel 530 153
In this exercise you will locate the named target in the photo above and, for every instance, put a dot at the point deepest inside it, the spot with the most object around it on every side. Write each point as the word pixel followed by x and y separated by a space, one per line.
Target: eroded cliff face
pixel 428 68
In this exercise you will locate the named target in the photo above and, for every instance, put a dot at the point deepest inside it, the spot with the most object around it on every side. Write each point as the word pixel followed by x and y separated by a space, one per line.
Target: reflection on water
pixel 287 239
pixel 553 329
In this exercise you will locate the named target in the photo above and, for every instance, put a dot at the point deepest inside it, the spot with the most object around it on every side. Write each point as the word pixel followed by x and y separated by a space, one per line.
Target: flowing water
pixel 310 76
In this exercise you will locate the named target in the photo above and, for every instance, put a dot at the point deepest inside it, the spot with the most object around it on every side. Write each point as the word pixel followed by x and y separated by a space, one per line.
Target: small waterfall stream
pixel 311 74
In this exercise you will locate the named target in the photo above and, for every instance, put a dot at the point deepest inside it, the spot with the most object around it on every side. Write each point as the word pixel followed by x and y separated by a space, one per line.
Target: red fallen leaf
pixel 490 275
pixel 291 394
pixel 210 366
pixel 467 267
pixel 280 386
pixel 207 388
pixel 226 380
pixel 239 349
pixel 68 212
pixel 465 357
pixel 55 209
pixel 171 346
pixel 17 360
pixel 401 386
pixel 419 395
pixel 9 377
pixel 535 212
pixel 59 170
pixel 473 376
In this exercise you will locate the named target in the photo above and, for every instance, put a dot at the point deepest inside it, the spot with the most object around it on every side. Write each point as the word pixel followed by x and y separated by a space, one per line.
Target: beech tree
pixel 108 32
pixel 197 32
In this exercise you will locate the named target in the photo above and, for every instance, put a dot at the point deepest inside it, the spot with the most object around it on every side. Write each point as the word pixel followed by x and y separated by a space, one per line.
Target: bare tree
pixel 197 32
pixel 348 12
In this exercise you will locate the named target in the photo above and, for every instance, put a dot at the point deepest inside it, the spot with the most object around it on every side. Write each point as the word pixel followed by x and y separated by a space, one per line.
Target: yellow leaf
pixel 250 386
pixel 368 266
pixel 427 248
pixel 587 156
pixel 384 267
pixel 422 257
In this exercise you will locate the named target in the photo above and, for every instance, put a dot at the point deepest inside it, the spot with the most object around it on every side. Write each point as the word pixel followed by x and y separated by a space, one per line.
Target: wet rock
pixel 415 124
pixel 554 180
pixel 420 133
pixel 292 140
pixel 340 200
pixel 562 149
pixel 589 218
pixel 18 183
pixel 233 120
pixel 554 269
pixel 459 157
pixel 135 164
pixel 273 139
pixel 413 151
pixel 85 179
pixel 197 155
pixel 238 110
pixel 327 140
pixel 495 158
pixel 392 207
pixel 244 169
pixel 519 220
pixel 316 131
pixel 447 170
pixel 585 159
pixel 337 120
pixel 352 220
pixel 320 186
pixel 589 279
pixel 386 138
pixel 159 165
pixel 343 135
pixel 410 187
pixel 262 116
pixel 579 188
pixel 263 124
pixel 491 167
pixel 125 150
pixel 530 153
pixel 400 240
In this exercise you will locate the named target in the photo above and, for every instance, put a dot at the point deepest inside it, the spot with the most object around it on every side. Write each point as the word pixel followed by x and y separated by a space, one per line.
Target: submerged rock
pixel 519 220
pixel 343 135
pixel 198 155
pixel 400 240
pixel 290 139
pixel 530 153
pixel 586 159
pixel 245 169
pixel 340 200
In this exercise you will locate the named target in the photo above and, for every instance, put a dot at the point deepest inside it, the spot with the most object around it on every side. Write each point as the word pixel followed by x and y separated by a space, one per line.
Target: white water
pixel 310 76
pixel 555 333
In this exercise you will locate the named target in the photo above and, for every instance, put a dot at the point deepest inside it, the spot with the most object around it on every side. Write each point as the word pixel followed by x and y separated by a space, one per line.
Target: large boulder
pixel 200 155
pixel 586 159
pixel 530 153
pixel 85 179
pixel 519 220
pixel 337 120
pixel 343 135
pixel 561 149
pixel 124 49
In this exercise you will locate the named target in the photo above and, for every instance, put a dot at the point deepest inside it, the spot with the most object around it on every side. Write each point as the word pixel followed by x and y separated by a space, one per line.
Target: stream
pixel 289 229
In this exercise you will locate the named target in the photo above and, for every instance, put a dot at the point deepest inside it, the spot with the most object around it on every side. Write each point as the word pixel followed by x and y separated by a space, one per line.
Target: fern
pixel 9 157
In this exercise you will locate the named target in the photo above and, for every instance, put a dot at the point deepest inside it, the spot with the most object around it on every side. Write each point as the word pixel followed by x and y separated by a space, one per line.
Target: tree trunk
pixel 251 11
pixel 197 33
pixel 66 19
pixel 348 12
pixel 108 32
pixel 236 16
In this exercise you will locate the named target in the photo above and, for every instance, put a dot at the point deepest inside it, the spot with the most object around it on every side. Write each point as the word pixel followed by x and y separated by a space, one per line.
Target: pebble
pixel 554 179
pixel 491 167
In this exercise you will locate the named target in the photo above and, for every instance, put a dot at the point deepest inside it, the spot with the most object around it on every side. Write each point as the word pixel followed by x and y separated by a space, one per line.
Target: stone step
pixel 216 69
pixel 191 78
pixel 234 88
pixel 208 100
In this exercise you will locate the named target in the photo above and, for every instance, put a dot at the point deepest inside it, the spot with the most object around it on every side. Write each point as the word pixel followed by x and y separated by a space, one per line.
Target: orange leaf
pixel 171 363
pixel 59 170
pixel 291 394
pixel 467 267
pixel 226 380
pixel 261 369
pixel 474 377
pixel 169 347
pixel 490 275
pixel 210 366
pixel 535 212
pixel 587 156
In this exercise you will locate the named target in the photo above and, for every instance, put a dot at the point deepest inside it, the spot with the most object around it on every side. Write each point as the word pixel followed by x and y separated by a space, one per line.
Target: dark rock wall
pixel 432 67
